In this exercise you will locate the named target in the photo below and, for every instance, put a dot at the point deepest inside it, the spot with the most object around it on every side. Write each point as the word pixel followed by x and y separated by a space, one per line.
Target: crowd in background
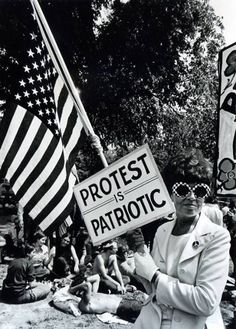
pixel 43 261
pixel 108 268
pixel 59 257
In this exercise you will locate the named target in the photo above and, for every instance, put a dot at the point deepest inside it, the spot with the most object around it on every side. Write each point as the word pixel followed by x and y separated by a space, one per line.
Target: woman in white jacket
pixel 188 267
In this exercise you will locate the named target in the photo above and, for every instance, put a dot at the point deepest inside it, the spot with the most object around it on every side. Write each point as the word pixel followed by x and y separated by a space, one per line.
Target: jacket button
pixel 182 270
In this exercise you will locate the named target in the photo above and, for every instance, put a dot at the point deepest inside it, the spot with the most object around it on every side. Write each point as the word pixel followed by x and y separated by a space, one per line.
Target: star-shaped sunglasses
pixel 183 190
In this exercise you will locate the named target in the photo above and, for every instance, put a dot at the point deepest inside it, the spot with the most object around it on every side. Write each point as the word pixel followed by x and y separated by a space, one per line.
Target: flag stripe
pixel 33 161
pixel 29 199
pixel 58 188
pixel 67 199
pixel 5 126
pixel 68 132
pixel 12 152
pixel 69 123
pixel 57 89
pixel 46 185
pixel 23 144
pixel 55 201
pixel 39 171
pixel 10 136
pixel 29 154
pixel 72 147
pixel 61 102
pixel 64 118
pixel 60 218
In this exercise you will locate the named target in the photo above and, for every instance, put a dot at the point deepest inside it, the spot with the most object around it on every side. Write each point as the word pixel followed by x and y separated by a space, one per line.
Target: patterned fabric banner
pixel 226 162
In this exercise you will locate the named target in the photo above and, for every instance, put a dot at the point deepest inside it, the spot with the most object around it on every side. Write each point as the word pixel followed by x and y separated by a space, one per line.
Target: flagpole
pixel 65 75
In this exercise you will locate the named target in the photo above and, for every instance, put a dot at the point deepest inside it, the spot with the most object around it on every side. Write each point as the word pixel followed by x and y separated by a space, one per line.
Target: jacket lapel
pixel 198 238
pixel 164 233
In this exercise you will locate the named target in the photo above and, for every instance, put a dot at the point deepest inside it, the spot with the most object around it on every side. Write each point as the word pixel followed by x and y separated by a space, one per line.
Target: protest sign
pixel 127 194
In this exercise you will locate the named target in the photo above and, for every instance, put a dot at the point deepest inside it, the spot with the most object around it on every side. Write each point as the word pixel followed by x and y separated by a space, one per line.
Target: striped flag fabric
pixel 40 136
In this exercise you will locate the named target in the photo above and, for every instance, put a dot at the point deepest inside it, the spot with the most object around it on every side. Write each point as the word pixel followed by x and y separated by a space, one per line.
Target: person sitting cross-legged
pixel 105 264
pixel 40 257
pixel 20 286
pixel 64 258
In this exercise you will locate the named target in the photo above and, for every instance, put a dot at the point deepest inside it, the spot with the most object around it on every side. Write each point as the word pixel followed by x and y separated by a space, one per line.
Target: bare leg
pixel 94 280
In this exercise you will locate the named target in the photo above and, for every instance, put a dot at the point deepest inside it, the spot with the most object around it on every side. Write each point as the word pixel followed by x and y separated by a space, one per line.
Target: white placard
pixel 127 194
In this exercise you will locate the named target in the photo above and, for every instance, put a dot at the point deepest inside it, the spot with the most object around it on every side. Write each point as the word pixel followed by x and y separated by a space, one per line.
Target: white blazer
pixel 195 295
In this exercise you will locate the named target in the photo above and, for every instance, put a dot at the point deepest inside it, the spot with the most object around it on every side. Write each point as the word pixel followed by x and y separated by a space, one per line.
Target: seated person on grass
pixel 105 264
pixel 20 286
pixel 40 257
pixel 64 258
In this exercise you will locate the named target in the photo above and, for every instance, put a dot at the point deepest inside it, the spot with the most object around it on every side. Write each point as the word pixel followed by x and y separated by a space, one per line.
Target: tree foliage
pixel 158 71
pixel 148 74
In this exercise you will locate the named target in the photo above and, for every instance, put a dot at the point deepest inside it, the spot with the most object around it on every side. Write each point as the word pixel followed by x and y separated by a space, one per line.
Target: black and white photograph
pixel 117 164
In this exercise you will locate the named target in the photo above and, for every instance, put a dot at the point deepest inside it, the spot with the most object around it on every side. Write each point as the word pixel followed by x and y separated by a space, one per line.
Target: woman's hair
pixel 188 166
pixel 65 235
pixel 211 199
pixel 109 245
pixel 121 252
pixel 39 235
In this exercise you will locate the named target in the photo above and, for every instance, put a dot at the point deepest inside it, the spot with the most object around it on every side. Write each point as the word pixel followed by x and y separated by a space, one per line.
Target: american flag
pixel 40 136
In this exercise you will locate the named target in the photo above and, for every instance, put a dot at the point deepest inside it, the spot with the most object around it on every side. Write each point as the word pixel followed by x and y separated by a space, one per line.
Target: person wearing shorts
pixel 97 303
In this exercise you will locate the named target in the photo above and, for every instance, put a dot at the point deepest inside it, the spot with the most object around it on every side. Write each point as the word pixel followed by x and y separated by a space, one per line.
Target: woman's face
pixel 188 206
pixel 42 241
pixel 65 241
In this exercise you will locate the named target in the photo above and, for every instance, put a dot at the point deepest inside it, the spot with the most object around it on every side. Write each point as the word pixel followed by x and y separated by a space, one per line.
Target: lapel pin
pixel 195 244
